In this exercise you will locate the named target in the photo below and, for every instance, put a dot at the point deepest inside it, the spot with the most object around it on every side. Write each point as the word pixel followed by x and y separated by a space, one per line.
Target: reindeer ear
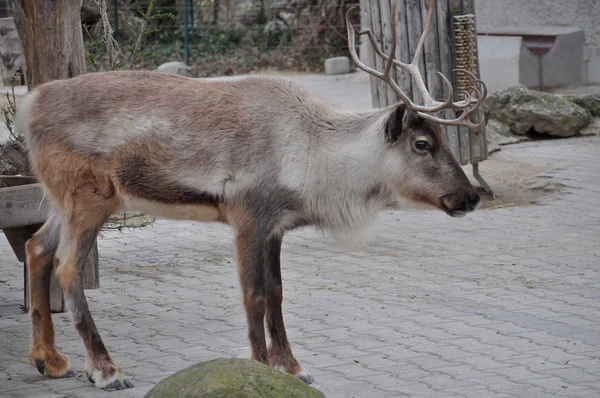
pixel 397 123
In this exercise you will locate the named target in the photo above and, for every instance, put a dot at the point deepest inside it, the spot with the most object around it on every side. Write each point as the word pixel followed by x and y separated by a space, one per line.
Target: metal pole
pixel 116 22
pixel 186 48
pixel 486 187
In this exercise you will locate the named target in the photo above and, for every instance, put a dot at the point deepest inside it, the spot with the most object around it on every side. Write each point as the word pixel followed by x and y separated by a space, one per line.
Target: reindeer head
pixel 427 170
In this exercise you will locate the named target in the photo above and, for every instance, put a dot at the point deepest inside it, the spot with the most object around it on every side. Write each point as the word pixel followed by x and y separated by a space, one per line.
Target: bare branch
pixel 138 42
pixel 112 46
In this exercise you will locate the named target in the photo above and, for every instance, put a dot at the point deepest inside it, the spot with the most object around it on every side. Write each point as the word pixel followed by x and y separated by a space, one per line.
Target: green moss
pixel 589 102
pixel 232 378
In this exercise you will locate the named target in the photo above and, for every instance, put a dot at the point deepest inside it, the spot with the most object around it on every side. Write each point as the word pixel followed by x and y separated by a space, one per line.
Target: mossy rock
pixel 591 102
pixel 498 134
pixel 232 378
pixel 522 109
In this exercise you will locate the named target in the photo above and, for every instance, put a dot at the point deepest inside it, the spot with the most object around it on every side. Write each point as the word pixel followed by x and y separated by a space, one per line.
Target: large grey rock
pixel 593 128
pixel 498 134
pixel 337 65
pixel 522 109
pixel 232 378
pixel 176 68
pixel 591 102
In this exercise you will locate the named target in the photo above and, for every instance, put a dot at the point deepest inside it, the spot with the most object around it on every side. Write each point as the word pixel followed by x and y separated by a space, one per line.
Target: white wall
pixel 584 14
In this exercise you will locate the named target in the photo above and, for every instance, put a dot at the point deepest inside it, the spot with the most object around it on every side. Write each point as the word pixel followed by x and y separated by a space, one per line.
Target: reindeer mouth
pixel 456 213
pixel 459 204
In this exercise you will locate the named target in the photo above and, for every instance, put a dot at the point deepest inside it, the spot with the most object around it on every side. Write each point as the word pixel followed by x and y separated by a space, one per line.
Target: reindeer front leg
pixel 280 353
pixel 250 251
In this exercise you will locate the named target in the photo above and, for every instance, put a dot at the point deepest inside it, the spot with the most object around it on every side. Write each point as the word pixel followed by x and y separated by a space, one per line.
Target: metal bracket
pixel 486 187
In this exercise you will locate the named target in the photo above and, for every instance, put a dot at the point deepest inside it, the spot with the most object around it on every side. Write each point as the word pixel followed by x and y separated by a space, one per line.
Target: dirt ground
pixel 513 180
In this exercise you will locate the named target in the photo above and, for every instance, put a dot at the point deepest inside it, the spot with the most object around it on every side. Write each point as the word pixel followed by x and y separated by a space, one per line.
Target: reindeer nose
pixel 472 200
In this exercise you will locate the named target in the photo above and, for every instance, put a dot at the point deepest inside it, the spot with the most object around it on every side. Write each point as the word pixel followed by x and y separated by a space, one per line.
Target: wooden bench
pixel 23 210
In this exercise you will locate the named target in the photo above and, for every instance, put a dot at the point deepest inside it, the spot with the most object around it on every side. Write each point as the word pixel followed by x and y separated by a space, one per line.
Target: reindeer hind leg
pixel 41 249
pixel 86 209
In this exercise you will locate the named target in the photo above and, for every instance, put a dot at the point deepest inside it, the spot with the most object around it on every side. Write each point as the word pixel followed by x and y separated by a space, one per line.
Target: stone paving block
pixel 556 355
pixel 353 370
pixel 475 391
pixel 573 375
pixel 496 383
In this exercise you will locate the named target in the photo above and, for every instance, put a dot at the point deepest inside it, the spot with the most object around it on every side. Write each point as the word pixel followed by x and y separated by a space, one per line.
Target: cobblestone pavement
pixel 501 303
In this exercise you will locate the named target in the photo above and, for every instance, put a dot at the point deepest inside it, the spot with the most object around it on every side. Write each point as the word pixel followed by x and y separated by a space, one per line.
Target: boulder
pixel 522 109
pixel 337 65
pixel 590 102
pixel 176 68
pixel 232 378
pixel 593 128
pixel 498 134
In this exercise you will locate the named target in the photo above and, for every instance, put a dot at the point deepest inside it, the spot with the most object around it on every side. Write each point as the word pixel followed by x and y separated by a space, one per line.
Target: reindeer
pixel 259 154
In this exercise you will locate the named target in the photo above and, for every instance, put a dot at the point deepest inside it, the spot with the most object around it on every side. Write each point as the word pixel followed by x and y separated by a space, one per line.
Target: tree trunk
pixel 51 39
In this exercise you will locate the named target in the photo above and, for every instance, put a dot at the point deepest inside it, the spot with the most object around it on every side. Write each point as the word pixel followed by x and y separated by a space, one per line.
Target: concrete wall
pixel 584 14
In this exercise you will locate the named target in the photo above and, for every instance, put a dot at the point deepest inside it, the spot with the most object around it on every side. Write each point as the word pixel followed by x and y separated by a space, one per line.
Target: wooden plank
pixel 402 50
pixel 386 28
pixel 13 181
pixel 445 59
pixel 57 303
pixel 468 6
pixel 17 237
pixel 444 39
pixel 415 29
pixel 431 53
pixel 452 134
pixel 91 275
pixel 379 62
pixel 368 57
pixel 464 140
pixel 478 142
pixel 455 6
pixel 22 205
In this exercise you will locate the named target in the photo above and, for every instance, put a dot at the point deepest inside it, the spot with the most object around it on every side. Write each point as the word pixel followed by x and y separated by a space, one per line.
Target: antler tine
pixel 389 59
pixel 426 29
pixel 352 46
pixel 474 96
pixel 462 120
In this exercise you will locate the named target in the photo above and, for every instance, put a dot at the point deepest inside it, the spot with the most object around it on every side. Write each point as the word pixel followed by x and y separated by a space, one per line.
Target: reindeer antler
pixel 472 101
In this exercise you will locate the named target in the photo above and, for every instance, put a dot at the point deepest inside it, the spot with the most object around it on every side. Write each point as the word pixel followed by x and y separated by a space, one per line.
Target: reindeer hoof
pixel 69 373
pixel 118 385
pixel 91 379
pixel 39 364
pixel 308 379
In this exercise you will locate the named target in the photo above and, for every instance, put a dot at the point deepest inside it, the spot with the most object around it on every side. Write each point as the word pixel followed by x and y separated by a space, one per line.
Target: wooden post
pixel 51 54
pixel 438 55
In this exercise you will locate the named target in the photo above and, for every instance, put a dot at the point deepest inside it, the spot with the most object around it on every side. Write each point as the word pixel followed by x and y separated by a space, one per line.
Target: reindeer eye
pixel 421 145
